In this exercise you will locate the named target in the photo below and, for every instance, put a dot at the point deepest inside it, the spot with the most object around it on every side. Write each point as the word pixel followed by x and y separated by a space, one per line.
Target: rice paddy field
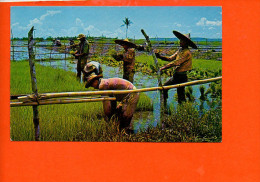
pixel 188 122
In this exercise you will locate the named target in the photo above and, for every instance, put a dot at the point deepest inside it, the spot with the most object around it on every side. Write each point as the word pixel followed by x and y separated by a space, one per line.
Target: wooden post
pixel 34 83
pixel 35 51
pixel 52 46
pixel 65 52
pixel 207 48
pixel 162 101
pixel 102 45
pixel 12 45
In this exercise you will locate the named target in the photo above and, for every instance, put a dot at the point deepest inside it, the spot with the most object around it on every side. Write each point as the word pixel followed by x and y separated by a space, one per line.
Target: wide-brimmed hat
pixel 125 42
pixel 80 36
pixel 89 68
pixel 186 38
pixel 91 78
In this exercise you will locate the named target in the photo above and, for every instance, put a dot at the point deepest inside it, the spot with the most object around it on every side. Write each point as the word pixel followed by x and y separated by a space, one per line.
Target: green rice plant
pixel 188 93
pixel 218 90
pixel 204 68
pixel 202 89
pixel 213 88
pixel 145 59
pixel 184 124
pixel 206 65
pixel 144 103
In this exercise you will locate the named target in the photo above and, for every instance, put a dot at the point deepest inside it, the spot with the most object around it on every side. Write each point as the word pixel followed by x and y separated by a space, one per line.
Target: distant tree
pixel 127 23
pixel 49 38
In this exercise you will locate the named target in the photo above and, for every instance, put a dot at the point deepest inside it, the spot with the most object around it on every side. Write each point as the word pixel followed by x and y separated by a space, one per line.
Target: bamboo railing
pixel 30 100
pixel 60 101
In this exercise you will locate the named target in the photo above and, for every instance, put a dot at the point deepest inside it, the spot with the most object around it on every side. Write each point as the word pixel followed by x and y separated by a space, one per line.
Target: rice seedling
pixel 188 93
pixel 203 96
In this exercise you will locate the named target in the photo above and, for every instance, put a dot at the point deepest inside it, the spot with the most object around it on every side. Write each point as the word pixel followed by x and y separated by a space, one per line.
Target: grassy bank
pixel 59 122
pixel 84 121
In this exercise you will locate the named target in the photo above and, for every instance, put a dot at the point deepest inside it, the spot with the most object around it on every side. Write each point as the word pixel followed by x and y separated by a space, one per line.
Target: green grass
pixel 203 64
pixel 48 79
pixel 58 122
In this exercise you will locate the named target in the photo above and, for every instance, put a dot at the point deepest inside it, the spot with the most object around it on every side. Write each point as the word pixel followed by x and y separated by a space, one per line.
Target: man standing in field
pixel 182 63
pixel 128 56
pixel 124 110
pixel 72 42
pixel 81 54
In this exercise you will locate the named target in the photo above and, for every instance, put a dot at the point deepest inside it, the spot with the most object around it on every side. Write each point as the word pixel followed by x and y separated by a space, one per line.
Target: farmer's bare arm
pixel 165 58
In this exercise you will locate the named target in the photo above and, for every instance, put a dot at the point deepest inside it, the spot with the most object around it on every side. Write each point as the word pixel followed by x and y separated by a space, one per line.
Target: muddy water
pixel 141 119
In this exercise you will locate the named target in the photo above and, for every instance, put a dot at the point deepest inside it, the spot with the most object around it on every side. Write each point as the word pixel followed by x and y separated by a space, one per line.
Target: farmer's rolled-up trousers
pixel 176 79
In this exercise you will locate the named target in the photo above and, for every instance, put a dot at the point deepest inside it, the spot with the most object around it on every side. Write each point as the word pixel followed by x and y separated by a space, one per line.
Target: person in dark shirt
pixel 81 54
pixel 182 62
pixel 128 57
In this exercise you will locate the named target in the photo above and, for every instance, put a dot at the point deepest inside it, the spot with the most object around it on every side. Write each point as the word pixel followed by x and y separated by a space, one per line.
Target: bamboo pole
pixel 12 97
pixel 35 49
pixel 12 45
pixel 61 101
pixel 51 52
pixel 41 53
pixel 114 92
pixel 65 51
pixel 163 102
pixel 34 83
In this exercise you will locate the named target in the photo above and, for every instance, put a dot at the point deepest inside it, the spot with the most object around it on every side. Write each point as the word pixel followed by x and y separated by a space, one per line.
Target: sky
pixel 199 21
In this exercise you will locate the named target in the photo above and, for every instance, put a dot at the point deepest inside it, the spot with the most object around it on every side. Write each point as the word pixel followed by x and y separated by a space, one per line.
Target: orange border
pixel 237 158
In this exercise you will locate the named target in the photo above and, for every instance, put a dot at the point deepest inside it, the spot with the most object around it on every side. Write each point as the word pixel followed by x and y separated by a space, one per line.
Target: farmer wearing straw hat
pixel 81 54
pixel 124 110
pixel 128 57
pixel 90 68
pixel 72 42
pixel 182 62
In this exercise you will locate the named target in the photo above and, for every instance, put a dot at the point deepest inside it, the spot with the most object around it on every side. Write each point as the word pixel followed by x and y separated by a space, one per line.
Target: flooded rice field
pixel 141 119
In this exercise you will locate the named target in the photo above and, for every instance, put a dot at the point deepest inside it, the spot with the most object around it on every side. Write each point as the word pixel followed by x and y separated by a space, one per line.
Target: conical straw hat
pixel 125 42
pixel 186 38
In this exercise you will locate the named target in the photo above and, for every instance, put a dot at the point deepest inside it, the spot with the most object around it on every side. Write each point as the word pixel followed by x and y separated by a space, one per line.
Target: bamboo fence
pixel 60 101
pixel 62 50
pixel 26 100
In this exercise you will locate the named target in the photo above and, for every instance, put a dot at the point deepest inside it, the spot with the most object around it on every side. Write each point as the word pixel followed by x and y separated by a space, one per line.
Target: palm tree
pixel 127 23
